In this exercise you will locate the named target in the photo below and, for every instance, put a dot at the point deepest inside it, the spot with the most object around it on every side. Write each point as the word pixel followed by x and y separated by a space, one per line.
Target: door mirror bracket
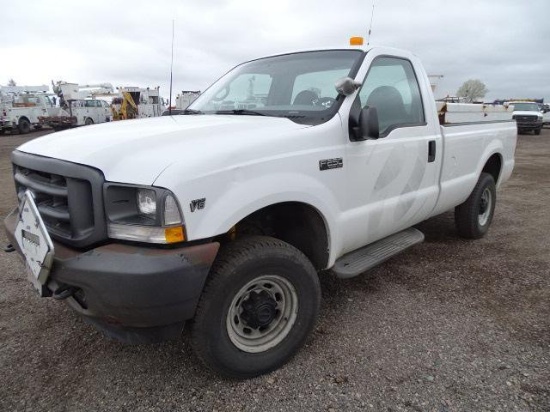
pixel 346 86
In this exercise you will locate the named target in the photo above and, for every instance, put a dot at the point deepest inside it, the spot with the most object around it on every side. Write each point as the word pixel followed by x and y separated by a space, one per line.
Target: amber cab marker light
pixel 356 41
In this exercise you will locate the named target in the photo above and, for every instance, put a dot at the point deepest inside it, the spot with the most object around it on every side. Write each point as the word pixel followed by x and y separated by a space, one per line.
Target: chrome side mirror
pixel 346 86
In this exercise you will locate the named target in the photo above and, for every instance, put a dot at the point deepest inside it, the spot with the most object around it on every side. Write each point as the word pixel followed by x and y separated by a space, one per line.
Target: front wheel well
pixel 298 224
pixel 493 166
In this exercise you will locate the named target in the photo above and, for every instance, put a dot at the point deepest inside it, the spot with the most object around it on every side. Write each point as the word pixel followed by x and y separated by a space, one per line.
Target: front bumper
pixel 529 125
pixel 132 293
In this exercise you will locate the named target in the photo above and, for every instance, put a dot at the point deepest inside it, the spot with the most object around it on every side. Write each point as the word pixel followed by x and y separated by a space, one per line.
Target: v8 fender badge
pixel 197 204
pixel 327 164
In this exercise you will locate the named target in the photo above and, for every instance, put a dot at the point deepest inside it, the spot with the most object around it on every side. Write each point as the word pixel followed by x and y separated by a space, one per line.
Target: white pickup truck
pixel 527 116
pixel 286 166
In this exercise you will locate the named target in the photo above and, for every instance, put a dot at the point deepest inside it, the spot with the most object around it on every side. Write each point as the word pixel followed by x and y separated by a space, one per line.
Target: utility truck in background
pixel 137 103
pixel 185 98
pixel 183 101
pixel 79 105
pixel 22 106
pixel 227 215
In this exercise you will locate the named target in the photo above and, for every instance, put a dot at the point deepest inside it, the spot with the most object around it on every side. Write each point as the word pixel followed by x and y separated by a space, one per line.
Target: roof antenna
pixel 370 26
pixel 171 70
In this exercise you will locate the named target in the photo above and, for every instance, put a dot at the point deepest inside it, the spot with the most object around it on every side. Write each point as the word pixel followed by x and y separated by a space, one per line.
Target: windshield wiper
pixel 191 111
pixel 245 112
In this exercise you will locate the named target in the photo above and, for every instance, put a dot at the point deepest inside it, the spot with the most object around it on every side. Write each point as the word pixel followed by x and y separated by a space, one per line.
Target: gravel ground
pixel 450 325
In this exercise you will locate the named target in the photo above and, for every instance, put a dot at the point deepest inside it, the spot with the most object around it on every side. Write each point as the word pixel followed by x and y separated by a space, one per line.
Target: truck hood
pixel 137 151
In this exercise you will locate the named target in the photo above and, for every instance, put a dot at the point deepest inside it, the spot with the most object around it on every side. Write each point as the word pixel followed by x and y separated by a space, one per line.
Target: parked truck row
pixel 225 216
pixel 71 105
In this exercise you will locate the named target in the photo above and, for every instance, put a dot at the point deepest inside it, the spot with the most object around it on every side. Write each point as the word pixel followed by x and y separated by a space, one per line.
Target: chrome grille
pixel 526 118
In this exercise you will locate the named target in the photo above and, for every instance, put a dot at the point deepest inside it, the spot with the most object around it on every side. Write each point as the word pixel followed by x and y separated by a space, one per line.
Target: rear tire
pixel 259 305
pixel 24 126
pixel 474 216
pixel 88 121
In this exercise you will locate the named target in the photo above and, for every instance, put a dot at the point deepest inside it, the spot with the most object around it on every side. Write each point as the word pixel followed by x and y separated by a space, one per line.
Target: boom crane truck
pixel 79 105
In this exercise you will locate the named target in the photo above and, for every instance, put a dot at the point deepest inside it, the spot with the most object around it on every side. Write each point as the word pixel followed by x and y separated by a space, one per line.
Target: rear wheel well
pixel 493 166
pixel 296 223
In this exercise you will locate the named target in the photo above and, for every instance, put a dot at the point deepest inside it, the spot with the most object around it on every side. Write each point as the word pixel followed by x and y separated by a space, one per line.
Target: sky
pixel 503 43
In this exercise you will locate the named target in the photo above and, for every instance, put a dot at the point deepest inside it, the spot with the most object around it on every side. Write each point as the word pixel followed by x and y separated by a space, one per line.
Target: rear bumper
pixel 58 121
pixel 133 293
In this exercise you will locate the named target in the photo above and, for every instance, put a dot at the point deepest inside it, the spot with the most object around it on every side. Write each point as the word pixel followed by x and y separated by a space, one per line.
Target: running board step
pixel 361 260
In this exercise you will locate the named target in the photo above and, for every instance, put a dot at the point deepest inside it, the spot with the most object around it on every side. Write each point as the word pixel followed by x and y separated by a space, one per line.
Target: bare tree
pixel 472 90
pixel 11 82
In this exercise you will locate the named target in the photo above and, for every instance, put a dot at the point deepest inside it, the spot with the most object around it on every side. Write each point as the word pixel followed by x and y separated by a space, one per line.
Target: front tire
pixel 259 305
pixel 474 216
pixel 537 131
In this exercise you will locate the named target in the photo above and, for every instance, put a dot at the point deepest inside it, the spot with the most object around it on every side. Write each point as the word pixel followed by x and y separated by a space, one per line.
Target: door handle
pixel 431 151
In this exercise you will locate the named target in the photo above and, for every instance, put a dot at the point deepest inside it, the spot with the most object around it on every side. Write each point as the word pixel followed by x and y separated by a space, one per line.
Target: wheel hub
pixel 259 310
pixel 483 206
pixel 262 313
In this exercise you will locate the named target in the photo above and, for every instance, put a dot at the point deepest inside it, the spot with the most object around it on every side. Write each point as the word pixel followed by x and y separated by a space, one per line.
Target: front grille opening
pixel 65 204
pixel 69 197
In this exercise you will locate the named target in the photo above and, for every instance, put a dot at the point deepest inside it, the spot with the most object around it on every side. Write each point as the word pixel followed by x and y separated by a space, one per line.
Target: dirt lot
pixel 451 325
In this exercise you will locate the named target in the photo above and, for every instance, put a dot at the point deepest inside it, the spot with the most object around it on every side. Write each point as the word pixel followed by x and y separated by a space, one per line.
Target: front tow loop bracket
pixel 9 248
pixel 64 292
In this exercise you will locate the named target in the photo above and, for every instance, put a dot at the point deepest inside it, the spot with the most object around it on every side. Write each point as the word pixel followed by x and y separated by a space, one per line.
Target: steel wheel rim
pixel 262 293
pixel 486 204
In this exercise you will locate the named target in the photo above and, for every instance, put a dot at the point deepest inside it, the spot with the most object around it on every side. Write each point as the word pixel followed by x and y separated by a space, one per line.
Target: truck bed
pixel 461 163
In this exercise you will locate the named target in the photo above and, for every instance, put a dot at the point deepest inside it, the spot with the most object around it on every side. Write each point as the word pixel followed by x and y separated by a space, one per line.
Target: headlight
pixel 142 214
pixel 147 201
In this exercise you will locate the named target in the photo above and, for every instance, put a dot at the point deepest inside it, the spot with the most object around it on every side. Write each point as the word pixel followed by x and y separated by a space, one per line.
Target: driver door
pixel 395 177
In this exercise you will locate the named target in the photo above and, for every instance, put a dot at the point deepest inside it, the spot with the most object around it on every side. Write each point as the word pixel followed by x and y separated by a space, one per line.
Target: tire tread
pixel 466 214
pixel 229 258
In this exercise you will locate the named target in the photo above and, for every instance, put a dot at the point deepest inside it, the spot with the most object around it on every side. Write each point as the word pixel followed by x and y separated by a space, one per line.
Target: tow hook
pixel 9 248
pixel 64 292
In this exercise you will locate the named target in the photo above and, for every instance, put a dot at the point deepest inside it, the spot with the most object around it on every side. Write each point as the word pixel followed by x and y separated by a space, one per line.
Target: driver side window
pixel 392 88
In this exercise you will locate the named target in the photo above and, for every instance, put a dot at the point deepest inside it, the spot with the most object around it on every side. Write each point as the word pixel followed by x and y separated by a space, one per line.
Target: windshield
pixel 299 86
pixel 526 107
